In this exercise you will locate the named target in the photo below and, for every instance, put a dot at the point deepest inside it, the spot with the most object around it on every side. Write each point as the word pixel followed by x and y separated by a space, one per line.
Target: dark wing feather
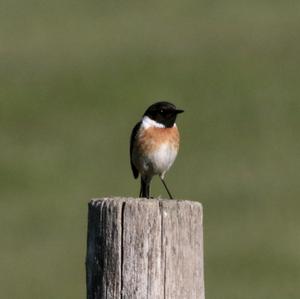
pixel 132 139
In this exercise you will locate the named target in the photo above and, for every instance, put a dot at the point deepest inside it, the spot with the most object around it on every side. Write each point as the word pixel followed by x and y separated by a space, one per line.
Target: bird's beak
pixel 179 111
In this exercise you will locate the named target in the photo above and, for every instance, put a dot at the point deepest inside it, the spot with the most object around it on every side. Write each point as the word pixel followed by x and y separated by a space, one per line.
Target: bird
pixel 154 144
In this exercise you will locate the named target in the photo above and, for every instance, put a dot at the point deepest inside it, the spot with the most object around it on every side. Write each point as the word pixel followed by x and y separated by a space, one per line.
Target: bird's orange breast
pixel 151 138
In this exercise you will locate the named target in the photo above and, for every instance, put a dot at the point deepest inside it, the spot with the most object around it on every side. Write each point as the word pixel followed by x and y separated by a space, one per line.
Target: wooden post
pixel 144 248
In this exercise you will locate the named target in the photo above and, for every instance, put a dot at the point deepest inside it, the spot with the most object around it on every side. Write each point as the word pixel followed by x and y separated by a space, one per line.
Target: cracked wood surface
pixel 144 248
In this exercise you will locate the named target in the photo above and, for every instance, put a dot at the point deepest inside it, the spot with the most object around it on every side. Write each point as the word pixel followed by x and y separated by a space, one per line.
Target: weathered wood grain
pixel 141 248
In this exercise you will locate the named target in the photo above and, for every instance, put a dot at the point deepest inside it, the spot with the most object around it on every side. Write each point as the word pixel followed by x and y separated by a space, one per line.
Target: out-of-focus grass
pixel 76 76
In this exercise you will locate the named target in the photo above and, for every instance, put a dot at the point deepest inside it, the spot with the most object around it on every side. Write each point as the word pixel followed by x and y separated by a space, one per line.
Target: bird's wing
pixel 132 139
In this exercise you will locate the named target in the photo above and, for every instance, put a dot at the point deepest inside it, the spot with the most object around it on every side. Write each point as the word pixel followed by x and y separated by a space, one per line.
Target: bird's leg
pixel 170 195
pixel 145 188
pixel 148 190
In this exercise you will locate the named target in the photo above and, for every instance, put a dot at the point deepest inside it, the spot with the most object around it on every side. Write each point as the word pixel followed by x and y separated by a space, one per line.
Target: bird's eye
pixel 161 111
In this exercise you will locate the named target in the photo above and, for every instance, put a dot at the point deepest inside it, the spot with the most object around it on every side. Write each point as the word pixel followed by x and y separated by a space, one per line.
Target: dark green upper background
pixel 75 76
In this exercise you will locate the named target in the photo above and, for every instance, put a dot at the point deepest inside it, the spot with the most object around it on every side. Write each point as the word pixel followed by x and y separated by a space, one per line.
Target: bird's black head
pixel 164 113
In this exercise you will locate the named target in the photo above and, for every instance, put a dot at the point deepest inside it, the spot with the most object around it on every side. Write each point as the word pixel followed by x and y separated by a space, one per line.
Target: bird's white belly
pixel 162 158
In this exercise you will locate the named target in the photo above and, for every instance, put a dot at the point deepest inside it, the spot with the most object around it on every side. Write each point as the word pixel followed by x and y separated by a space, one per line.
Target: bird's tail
pixel 145 188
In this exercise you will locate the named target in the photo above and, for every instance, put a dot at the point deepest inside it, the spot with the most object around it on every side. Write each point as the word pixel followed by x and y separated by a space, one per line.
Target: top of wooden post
pixel 161 201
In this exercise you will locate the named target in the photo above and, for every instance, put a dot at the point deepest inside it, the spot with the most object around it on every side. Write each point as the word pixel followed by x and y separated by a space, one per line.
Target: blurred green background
pixel 76 76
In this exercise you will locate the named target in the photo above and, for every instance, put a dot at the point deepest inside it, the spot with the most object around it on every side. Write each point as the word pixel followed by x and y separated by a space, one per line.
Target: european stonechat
pixel 154 144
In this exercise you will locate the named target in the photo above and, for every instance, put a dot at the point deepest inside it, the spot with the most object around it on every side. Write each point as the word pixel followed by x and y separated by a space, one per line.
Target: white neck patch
pixel 147 122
